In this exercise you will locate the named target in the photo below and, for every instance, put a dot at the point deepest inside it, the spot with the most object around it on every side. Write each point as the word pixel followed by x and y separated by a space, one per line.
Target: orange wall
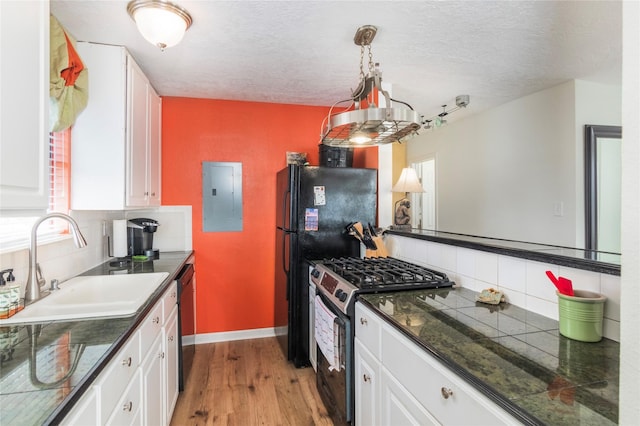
pixel 235 270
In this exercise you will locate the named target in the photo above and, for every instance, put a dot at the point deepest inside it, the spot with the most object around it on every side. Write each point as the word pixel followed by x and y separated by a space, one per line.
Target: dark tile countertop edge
pixel 78 391
pixel 498 247
pixel 510 406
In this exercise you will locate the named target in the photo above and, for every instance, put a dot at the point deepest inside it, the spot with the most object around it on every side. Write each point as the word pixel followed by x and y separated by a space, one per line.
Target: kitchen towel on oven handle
pixel 327 334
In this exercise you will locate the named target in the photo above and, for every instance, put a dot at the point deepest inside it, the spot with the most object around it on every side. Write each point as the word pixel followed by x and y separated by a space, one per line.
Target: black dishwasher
pixel 186 322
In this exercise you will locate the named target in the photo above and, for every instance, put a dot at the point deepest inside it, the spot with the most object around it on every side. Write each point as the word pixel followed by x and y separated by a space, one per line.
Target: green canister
pixel 581 315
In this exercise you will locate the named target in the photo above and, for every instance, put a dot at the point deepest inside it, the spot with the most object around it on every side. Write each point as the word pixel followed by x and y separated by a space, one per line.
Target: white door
pixel 608 191
pixel 424 204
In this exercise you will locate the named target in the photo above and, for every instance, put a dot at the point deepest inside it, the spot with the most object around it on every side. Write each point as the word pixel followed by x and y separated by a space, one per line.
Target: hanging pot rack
pixel 361 126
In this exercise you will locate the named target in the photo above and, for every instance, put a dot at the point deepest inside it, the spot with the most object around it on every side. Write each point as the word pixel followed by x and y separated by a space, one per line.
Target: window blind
pixel 16 231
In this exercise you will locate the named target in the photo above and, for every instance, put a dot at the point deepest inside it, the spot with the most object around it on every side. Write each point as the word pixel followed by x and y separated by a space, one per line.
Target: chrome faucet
pixel 35 280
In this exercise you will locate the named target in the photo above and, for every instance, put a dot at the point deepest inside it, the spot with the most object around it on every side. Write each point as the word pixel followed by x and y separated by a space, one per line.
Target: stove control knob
pixel 315 273
pixel 341 295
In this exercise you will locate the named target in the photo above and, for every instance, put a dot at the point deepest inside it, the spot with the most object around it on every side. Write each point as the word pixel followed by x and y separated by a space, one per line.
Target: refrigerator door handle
pixel 284 260
pixel 287 197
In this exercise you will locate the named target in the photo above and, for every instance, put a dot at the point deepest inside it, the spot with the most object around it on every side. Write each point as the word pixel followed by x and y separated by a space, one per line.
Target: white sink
pixel 92 297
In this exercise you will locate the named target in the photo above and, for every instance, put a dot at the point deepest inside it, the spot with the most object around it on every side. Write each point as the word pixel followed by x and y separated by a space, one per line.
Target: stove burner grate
pixel 374 273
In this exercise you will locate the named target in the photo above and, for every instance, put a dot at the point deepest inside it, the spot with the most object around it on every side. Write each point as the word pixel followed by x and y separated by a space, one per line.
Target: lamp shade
pixel 161 23
pixel 408 182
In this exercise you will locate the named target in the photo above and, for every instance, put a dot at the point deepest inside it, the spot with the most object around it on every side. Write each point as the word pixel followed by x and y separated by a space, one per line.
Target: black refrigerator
pixel 314 207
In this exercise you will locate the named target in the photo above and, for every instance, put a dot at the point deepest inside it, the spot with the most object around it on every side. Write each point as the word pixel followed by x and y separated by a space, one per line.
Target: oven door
pixel 334 384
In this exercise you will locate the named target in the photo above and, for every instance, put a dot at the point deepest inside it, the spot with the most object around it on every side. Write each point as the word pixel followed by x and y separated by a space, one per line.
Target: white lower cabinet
pixel 152 378
pixel 128 410
pixel 399 407
pixel 398 383
pixel 86 411
pixel 367 373
pixel 140 384
pixel 114 380
pixel 171 341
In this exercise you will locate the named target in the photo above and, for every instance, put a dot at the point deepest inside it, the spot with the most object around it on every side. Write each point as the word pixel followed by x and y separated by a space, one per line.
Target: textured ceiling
pixel 302 52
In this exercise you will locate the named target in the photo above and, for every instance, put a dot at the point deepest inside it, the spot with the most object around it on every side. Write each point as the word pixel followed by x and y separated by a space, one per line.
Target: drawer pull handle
pixel 173 294
pixel 363 321
pixel 128 406
pixel 127 362
pixel 366 378
pixel 161 355
pixel 156 320
pixel 446 392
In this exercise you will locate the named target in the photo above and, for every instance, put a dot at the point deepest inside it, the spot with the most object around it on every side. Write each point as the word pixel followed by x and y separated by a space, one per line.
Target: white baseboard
pixel 189 340
pixel 228 336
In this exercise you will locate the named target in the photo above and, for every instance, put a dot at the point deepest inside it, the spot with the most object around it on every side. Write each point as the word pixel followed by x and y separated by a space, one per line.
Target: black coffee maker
pixel 140 237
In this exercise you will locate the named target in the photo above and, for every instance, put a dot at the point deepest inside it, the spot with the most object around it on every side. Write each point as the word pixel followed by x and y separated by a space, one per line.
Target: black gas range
pixel 338 282
pixel 341 279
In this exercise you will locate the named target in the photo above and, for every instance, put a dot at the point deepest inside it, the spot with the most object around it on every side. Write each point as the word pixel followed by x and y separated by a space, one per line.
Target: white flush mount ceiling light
pixel 160 22
pixel 439 120
pixel 369 125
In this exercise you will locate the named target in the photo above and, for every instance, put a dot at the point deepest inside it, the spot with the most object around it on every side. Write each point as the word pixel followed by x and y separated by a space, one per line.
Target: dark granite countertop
pixel 38 381
pixel 589 260
pixel 513 356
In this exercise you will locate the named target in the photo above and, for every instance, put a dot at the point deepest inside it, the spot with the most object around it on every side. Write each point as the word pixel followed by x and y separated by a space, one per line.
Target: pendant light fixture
pixel 367 125
pixel 160 22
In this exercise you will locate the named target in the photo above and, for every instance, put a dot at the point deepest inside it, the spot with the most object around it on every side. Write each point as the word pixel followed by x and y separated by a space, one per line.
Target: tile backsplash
pixel 62 260
pixel 523 282
pixel 174 230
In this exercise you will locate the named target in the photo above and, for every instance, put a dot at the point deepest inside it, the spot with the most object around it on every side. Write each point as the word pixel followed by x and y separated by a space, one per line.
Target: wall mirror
pixel 602 188
pixel 516 173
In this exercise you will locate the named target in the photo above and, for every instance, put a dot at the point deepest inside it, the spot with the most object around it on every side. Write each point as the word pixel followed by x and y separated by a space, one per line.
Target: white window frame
pixel 15 231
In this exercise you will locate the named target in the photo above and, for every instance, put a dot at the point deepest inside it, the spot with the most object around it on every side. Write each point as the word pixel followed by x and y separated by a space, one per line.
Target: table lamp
pixel 407 183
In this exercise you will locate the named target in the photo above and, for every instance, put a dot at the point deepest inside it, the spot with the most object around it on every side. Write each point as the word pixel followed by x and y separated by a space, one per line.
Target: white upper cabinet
pixel 24 105
pixel 154 146
pixel 115 153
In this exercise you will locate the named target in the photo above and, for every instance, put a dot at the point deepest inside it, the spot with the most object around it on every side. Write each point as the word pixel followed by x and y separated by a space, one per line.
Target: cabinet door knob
pixel 366 378
pixel 171 338
pixel 127 362
pixel 156 320
pixel 363 321
pixel 446 392
pixel 128 406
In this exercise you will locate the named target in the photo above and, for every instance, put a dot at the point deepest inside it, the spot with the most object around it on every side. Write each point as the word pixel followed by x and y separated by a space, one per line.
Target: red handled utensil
pixel 563 285
pixel 566 286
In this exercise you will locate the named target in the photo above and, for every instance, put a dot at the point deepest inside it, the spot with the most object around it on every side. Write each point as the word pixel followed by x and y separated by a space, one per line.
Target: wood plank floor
pixel 245 383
